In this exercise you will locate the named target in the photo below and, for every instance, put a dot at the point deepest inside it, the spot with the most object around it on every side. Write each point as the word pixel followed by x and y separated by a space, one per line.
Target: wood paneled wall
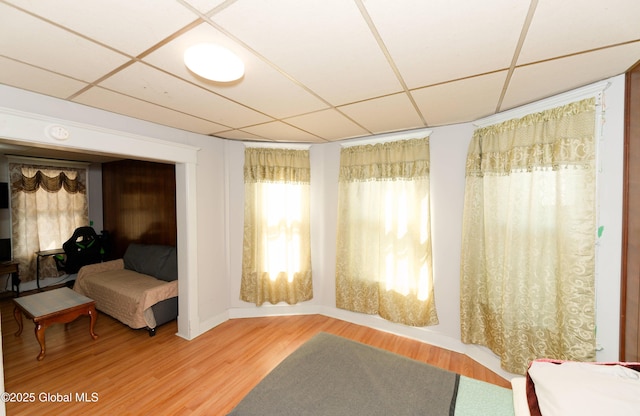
pixel 630 293
pixel 139 204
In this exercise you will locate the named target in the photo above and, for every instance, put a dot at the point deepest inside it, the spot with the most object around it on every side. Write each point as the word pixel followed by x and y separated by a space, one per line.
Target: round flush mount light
pixel 213 62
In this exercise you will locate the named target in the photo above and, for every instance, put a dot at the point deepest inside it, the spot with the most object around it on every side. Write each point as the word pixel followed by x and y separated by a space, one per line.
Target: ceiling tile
pixel 385 114
pixel 34 79
pixel 534 82
pixel 600 23
pixel 281 132
pixel 325 44
pixel 460 101
pixel 328 124
pixel 143 82
pixel 145 22
pixel 122 104
pixel 262 88
pixel 49 47
pixel 437 40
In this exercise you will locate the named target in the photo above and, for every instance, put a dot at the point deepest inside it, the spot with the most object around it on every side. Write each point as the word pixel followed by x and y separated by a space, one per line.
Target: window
pixel 47 204
pixel 384 233
pixel 528 249
pixel 276 261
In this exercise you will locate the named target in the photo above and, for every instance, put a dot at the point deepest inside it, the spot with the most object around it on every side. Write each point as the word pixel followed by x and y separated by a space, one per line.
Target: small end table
pixel 13 268
pixel 42 254
pixel 54 306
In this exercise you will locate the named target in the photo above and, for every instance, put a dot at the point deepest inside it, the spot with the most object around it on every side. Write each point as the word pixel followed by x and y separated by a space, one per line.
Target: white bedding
pixel 582 388
pixel 520 405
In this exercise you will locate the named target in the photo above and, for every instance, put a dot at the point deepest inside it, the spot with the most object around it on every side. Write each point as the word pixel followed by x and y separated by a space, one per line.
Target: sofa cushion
pixel 159 261
pixel 168 269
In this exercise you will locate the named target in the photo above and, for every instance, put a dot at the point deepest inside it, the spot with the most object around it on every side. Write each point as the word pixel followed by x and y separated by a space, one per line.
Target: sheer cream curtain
pixel 384 234
pixel 529 229
pixel 276 261
pixel 47 205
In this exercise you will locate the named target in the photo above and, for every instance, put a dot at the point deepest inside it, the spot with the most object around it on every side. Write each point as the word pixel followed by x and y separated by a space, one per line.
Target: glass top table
pixel 61 305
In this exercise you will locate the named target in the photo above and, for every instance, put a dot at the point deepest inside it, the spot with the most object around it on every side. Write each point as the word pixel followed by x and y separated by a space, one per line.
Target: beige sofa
pixel 140 290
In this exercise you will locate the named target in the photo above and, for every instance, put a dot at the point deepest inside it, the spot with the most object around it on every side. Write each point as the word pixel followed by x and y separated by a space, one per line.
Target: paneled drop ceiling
pixel 316 70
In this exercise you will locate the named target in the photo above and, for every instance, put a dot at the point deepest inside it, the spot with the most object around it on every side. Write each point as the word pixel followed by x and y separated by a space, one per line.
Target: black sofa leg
pixel 152 332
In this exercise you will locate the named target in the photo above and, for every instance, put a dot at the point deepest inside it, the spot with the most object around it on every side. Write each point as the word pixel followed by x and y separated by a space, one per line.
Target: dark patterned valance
pixel 23 183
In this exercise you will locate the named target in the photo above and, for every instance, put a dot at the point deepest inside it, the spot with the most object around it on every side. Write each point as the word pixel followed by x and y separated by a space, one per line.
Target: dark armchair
pixel 84 247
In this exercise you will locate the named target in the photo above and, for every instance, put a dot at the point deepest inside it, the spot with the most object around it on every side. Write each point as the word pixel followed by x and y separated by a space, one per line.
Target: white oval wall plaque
pixel 58 132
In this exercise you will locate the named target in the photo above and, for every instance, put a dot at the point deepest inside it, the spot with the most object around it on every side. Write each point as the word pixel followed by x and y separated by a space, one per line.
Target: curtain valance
pixel 403 159
pixel 50 184
pixel 561 137
pixel 276 165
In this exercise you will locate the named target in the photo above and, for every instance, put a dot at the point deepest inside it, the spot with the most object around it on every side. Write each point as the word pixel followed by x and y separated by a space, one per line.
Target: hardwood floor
pixel 125 371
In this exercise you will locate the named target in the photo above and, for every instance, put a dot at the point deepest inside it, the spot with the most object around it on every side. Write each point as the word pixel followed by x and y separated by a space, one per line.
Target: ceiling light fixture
pixel 213 62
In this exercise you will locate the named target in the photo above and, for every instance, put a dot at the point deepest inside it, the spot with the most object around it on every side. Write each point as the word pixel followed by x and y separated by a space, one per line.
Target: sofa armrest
pixel 92 269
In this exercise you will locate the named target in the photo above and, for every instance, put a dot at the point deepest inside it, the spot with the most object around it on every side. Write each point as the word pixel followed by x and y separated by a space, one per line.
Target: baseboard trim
pixel 477 353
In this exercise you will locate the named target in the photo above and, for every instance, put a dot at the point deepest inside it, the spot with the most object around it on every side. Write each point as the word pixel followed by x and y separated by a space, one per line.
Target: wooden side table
pixel 54 306
pixel 12 267
pixel 42 254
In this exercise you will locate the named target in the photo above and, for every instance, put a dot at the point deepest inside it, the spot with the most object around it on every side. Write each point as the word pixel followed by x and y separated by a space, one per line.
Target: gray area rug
pixel 331 375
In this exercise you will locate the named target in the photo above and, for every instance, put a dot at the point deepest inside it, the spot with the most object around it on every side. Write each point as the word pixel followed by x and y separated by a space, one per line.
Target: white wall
pixel 235 216
pixel 215 231
pixel 609 249
pixel 325 163
pixel 213 274
pixel 448 147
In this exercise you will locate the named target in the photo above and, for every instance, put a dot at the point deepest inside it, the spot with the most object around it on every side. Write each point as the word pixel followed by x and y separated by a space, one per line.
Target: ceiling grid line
pixel 516 54
pixel 389 58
